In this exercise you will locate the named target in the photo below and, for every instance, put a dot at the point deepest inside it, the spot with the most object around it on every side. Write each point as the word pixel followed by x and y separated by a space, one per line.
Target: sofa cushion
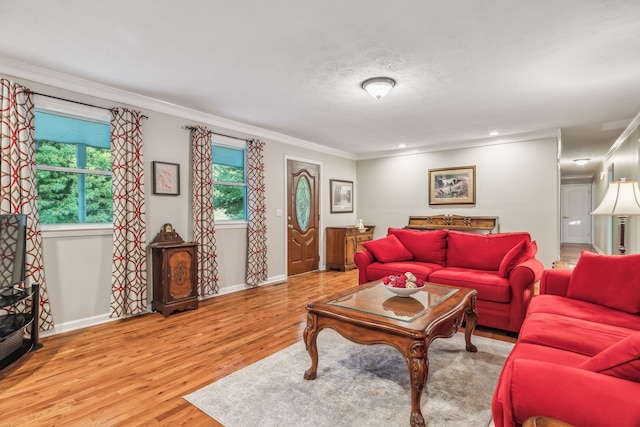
pixel 388 249
pixel 490 286
pixel 518 254
pixel 566 333
pixel 426 246
pixel 621 360
pixel 577 309
pixel 480 251
pixel 609 280
pixel 421 270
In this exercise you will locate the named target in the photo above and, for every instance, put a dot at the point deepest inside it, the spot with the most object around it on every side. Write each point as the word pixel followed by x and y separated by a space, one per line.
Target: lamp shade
pixel 379 86
pixel 621 199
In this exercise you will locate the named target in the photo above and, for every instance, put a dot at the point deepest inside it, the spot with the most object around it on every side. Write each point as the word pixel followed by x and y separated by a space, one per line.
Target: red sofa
pixel 501 267
pixel 577 358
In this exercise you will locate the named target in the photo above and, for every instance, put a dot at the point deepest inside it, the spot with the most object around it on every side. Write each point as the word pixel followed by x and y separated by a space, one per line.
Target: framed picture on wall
pixel 452 186
pixel 166 178
pixel 341 196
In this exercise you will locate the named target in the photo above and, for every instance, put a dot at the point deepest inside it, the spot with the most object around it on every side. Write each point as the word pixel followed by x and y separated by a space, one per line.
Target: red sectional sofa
pixel 577 358
pixel 501 267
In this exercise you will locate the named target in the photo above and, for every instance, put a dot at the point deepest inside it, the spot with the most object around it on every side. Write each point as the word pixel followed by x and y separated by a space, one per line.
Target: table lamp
pixel 622 199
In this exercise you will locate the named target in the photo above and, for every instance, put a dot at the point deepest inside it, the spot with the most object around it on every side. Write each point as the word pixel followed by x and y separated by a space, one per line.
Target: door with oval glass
pixel 302 217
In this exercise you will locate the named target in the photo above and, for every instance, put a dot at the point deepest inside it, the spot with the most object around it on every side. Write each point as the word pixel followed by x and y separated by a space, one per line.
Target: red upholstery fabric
pixel 576 335
pixel 553 304
pixel 555 282
pixel 388 249
pixel 426 246
pixel 489 285
pixel 421 270
pixel 609 280
pixel 518 254
pixel 621 360
pixel 480 251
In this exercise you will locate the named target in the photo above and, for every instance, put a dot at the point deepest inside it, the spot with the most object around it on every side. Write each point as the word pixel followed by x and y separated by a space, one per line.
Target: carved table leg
pixel 418 370
pixel 472 321
pixel 310 335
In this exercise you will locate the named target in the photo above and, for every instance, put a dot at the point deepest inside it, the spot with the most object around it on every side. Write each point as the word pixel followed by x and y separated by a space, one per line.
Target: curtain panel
pixel 204 232
pixel 18 190
pixel 129 275
pixel 257 220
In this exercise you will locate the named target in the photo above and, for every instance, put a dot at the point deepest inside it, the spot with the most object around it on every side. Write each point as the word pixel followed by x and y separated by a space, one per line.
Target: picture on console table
pixel 341 196
pixel 452 186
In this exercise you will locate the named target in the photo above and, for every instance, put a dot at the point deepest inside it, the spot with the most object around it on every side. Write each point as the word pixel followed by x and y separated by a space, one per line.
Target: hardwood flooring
pixel 134 372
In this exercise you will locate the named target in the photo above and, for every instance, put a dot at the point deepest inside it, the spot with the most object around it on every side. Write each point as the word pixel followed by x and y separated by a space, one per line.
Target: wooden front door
pixel 303 216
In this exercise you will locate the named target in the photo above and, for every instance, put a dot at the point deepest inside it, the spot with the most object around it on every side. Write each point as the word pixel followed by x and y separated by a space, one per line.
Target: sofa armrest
pixel 525 274
pixel 555 282
pixel 573 395
pixel 362 259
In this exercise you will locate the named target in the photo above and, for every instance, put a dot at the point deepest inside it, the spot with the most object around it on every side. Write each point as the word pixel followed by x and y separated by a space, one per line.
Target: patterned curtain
pixel 129 279
pixel 18 191
pixel 204 232
pixel 257 228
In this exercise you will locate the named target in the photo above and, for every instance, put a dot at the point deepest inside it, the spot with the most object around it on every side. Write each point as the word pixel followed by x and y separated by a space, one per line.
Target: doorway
pixel 576 213
pixel 303 217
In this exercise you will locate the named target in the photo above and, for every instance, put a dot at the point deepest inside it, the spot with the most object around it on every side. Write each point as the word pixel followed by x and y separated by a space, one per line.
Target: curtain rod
pixel 221 134
pixel 76 102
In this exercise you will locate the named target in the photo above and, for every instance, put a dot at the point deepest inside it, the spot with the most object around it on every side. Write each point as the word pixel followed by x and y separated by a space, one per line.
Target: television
pixel 13 242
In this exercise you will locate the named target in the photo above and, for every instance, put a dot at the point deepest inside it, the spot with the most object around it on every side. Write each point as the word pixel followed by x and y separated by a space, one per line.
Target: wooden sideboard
pixel 343 243
pixel 487 224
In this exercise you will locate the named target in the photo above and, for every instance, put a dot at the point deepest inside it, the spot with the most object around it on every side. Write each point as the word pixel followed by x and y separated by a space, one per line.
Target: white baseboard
pixel 73 325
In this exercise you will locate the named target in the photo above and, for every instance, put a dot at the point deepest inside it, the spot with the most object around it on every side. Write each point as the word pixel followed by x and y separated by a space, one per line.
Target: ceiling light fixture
pixel 581 162
pixel 494 133
pixel 402 145
pixel 378 86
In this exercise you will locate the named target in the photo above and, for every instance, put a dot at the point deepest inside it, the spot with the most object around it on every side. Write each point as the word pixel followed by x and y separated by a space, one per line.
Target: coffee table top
pixel 373 306
pixel 379 300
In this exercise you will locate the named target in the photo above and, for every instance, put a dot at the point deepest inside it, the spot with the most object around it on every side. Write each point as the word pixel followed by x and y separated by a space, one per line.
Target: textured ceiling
pixel 463 68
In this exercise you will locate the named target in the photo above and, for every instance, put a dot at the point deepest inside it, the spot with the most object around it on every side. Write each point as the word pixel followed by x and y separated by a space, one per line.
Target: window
pixel 229 184
pixel 73 168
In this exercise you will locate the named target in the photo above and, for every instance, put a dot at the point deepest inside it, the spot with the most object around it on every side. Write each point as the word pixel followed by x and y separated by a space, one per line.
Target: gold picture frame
pixel 452 186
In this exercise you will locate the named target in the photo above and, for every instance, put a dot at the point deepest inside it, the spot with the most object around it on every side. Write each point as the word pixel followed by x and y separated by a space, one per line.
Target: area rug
pixel 357 385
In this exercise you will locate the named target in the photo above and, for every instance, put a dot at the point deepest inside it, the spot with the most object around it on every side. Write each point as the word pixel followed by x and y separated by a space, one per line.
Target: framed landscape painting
pixel 341 196
pixel 452 186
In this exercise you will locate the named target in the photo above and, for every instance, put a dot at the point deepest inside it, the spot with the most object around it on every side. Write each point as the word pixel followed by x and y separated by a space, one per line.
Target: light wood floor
pixel 134 372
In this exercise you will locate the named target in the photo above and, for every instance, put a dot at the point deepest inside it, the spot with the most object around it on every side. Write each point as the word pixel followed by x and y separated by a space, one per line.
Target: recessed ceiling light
pixel 402 145
pixel 494 133
pixel 581 162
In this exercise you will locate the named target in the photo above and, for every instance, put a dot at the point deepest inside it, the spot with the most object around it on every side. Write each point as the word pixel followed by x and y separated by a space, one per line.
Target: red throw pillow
pixel 621 360
pixel 518 254
pixel 388 249
pixel 425 245
pixel 609 280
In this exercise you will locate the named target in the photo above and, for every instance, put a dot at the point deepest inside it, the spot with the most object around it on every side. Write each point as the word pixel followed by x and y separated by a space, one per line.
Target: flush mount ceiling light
pixel 581 162
pixel 378 86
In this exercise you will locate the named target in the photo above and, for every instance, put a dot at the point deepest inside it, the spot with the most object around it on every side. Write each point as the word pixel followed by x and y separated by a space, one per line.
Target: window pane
pixel 98 159
pixel 55 154
pixel 57 197
pixel 99 199
pixel 228 202
pixel 228 173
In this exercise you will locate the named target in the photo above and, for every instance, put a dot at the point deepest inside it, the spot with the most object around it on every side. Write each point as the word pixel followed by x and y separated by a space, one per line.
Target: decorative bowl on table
pixel 403 285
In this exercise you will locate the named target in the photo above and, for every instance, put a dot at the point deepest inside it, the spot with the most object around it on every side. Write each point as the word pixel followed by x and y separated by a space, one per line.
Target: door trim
pixel 285 194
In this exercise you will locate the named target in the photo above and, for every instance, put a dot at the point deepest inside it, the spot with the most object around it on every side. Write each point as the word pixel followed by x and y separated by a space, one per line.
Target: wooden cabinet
pixel 343 243
pixel 175 273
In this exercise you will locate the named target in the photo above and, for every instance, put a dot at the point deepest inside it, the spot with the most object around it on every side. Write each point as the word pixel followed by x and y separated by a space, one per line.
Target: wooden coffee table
pixel 371 314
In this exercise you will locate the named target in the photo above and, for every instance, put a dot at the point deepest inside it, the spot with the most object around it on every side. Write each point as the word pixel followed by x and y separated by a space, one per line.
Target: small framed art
pixel 452 186
pixel 166 178
pixel 341 196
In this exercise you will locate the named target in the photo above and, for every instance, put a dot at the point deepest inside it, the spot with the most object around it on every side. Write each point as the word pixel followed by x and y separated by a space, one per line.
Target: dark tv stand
pixel 21 313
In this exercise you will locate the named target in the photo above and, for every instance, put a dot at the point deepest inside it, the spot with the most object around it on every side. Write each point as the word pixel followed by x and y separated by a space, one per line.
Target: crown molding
pixel 22 70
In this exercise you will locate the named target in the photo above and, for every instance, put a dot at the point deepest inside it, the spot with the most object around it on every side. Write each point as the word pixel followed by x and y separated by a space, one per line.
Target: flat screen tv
pixel 13 242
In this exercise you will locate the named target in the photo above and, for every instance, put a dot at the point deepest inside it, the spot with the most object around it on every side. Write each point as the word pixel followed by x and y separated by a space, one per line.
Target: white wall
pixel 518 182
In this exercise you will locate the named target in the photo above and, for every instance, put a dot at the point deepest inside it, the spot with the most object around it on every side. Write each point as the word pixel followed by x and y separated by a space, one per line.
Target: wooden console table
pixel 454 222
pixel 343 243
